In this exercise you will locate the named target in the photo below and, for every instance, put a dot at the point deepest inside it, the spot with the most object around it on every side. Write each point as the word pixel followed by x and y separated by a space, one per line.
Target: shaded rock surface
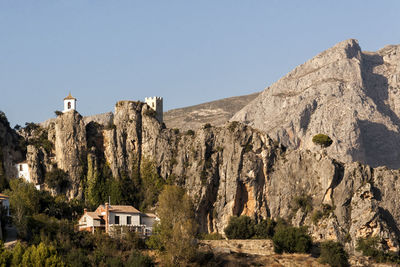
pixel 350 95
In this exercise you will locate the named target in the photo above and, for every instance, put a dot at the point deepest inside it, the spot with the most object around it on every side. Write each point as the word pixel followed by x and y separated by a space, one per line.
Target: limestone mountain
pixel 228 170
pixel 215 112
pixel 350 95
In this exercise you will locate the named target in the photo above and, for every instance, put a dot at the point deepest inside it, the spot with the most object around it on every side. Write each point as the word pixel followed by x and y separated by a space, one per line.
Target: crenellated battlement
pixel 156 103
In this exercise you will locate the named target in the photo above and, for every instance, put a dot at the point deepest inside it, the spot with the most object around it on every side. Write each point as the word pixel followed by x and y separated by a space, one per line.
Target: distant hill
pixel 215 112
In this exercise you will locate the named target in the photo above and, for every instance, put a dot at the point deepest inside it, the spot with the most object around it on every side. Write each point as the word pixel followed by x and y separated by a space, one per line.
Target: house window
pixel 84 219
pixel 128 220
pixel 69 105
pixel 20 167
pixel 116 219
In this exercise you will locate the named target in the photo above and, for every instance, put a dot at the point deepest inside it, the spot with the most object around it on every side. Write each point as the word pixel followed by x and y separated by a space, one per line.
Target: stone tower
pixel 69 103
pixel 156 103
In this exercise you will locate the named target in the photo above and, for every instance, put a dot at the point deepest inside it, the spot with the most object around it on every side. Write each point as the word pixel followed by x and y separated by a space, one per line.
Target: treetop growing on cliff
pixel 322 139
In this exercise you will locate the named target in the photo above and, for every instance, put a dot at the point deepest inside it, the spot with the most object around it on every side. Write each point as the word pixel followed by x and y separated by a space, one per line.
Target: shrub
pixel 322 140
pixel 58 113
pixel 207 126
pixel 150 112
pixel 176 131
pixel 264 229
pixel 240 227
pixel 370 247
pixel 333 254
pixel 291 240
pixel 303 202
pixel 232 126
pixel 57 179
pixel 211 236
pixel 320 214
pixel 190 132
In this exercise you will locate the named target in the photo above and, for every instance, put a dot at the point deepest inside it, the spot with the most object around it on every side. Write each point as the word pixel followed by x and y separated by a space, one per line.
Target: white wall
pixel 73 105
pixel 89 222
pixel 135 218
pixel 24 173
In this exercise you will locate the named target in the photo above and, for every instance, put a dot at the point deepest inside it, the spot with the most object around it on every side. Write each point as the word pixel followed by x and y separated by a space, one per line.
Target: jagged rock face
pixel 39 162
pixel 237 170
pixel 350 95
pixel 10 152
pixel 70 149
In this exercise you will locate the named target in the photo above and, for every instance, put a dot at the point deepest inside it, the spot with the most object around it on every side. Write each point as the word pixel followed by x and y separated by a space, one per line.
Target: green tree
pixel 291 240
pixel 41 256
pixel 240 227
pixel 264 229
pixel 151 183
pixel 333 254
pixel 322 139
pixel 57 179
pixel 24 202
pixel 175 234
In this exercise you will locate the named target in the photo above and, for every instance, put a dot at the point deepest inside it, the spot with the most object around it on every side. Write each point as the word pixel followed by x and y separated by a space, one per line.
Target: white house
pixel 110 218
pixel 69 103
pixel 5 203
pixel 23 171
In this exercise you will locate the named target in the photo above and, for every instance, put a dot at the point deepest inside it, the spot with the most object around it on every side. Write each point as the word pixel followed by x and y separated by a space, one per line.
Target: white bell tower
pixel 69 103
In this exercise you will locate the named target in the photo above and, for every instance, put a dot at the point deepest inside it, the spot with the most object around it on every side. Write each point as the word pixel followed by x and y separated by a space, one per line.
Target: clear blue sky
pixel 189 52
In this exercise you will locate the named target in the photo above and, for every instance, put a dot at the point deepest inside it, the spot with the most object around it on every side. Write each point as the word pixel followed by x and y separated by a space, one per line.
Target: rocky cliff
pixel 11 150
pixel 238 170
pixel 350 95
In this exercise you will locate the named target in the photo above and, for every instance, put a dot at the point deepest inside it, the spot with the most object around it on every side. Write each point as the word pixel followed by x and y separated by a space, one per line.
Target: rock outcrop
pixel 10 149
pixel 71 149
pixel 233 170
pixel 350 95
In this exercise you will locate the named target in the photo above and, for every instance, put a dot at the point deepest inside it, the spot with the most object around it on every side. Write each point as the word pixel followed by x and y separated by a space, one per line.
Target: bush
pixel 333 254
pixel 190 132
pixel 57 179
pixel 303 202
pixel 322 140
pixel 232 126
pixel 150 112
pixel 211 236
pixel 291 240
pixel 175 130
pixel 320 214
pixel 370 247
pixel 240 227
pixel 207 126
pixel 264 229
pixel 58 113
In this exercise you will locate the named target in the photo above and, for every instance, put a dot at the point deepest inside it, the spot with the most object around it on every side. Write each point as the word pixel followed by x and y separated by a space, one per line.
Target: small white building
pixel 5 203
pixel 69 103
pixel 156 103
pixel 111 218
pixel 23 171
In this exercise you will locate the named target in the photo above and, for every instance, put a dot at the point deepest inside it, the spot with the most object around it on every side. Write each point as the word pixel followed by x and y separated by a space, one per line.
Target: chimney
pixel 107 216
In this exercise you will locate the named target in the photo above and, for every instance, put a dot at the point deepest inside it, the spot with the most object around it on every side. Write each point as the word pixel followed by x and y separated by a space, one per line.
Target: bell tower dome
pixel 69 103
